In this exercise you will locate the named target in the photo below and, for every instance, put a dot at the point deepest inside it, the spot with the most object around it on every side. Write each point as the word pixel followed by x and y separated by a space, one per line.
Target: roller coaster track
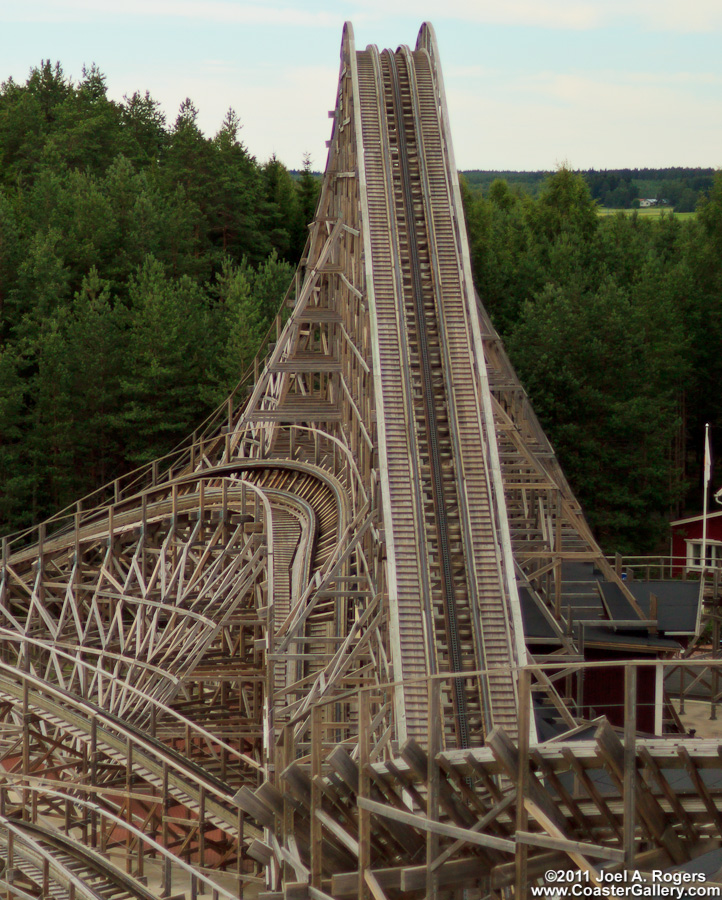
pixel 224 664
pixel 76 870
pixel 434 433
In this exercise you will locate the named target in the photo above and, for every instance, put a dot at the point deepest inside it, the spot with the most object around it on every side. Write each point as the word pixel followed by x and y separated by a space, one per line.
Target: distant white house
pixel 643 204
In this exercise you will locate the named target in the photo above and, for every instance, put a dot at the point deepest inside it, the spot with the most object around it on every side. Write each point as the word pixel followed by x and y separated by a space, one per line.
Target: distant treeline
pixel 675 187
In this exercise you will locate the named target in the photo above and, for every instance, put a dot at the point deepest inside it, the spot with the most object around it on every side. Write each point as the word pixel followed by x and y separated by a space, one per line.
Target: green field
pixel 652 212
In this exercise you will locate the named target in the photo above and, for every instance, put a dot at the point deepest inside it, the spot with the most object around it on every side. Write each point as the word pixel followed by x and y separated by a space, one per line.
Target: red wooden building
pixel 687 542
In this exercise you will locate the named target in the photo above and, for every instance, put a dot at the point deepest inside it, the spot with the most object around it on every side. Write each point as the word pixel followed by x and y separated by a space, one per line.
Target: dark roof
pixel 581 584
pixel 579 571
pixel 677 603
pixel 546 724
pixel 535 625
pixel 601 635
pixel 708 864
pixel 689 519
pixel 627 639
pixel 580 591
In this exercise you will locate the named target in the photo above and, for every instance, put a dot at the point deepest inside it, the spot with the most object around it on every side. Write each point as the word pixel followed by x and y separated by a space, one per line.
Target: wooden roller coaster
pixel 296 658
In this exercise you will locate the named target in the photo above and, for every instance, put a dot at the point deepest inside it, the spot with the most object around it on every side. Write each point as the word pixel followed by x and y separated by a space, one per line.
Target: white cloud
pixel 509 118
pixel 608 120
pixel 551 14
pixel 283 109
pixel 230 12
pixel 671 15
pixel 648 15
pixel 611 86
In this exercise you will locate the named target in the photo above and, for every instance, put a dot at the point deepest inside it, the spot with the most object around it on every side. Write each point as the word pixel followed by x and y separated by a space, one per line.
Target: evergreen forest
pixel 141 263
pixel 614 324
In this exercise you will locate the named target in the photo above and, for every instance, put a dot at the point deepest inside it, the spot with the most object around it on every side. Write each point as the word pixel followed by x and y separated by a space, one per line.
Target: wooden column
pixel 166 887
pixel 715 642
pixel 630 761
pixel 94 779
pixel 523 780
pixel 128 804
pixel 10 864
pixel 76 548
pixel 289 757
pixel 432 802
pixel 558 560
pixel 3 574
pixel 364 790
pixel 143 535
pixel 316 836
pixel 202 827
pixel 26 747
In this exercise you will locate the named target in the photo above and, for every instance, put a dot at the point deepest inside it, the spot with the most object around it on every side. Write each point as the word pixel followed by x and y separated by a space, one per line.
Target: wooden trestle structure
pixel 290 658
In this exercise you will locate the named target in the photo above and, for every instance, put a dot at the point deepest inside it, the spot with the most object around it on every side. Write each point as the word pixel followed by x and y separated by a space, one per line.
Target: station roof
pixel 678 603
pixel 713 515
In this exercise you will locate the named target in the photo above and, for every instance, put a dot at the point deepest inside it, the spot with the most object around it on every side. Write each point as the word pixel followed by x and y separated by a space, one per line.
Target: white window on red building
pixel 694 554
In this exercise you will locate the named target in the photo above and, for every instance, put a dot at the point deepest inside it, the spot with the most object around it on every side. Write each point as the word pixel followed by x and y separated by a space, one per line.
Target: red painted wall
pixel 693 531
pixel 604 691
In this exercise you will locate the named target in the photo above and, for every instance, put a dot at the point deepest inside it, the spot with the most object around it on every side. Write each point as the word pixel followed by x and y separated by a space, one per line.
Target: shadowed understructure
pixel 333 647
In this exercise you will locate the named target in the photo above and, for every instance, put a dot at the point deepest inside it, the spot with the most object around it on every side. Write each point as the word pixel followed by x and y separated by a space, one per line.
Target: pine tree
pixel 97 350
pixel 309 188
pixel 167 363
pixel 283 198
pixel 15 480
pixel 238 210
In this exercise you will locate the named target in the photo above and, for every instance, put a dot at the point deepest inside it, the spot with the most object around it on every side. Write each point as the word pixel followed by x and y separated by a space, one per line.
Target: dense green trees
pixel 140 264
pixel 614 327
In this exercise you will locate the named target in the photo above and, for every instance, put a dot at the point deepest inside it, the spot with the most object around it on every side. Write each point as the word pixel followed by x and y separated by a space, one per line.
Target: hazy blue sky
pixel 530 84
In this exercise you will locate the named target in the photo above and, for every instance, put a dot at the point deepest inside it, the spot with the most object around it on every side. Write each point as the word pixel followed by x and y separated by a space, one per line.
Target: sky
pixel 531 84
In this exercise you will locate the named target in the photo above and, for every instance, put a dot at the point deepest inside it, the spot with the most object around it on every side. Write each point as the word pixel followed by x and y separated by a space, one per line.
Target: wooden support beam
pixel 338 832
pixel 552 843
pixel 484 822
pixel 502 876
pixel 701 788
pixel 374 886
pixel 424 824
pixel 417 759
pixel 461 872
pixel 537 801
pixel 649 809
pixel 630 760
pixel 565 797
pixel 679 811
pixel 246 800
pixel 523 780
pixel 378 789
pixel 433 732
pixel 316 759
pixel 589 786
